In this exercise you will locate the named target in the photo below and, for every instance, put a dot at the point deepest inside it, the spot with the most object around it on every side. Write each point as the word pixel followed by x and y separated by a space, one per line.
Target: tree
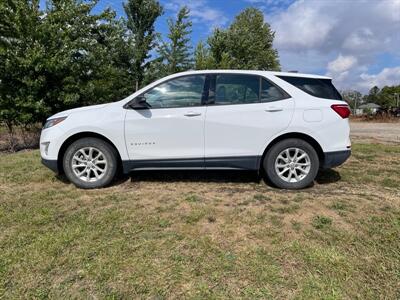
pixel 142 15
pixel 58 58
pixel 353 98
pixel 7 26
pixel 219 49
pixel 250 42
pixel 177 52
pixel 202 57
pixel 373 95
pixel 154 70
pixel 246 44
pixel 387 96
pixel 18 23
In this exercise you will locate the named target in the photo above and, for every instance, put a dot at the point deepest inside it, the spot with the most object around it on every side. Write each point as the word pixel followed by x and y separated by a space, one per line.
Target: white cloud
pixel 342 64
pixel 388 76
pixel 341 39
pixel 302 27
pixel 362 38
pixel 200 12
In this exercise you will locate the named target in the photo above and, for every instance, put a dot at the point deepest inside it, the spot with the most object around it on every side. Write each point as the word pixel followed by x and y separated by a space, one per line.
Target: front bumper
pixel 334 159
pixel 51 164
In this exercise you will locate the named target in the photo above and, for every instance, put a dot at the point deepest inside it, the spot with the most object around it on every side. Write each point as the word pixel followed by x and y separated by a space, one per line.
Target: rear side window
pixel 236 89
pixel 228 89
pixel 270 92
pixel 321 88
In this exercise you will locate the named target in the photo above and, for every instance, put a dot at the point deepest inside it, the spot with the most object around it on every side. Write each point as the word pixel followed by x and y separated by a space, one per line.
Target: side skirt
pixel 224 163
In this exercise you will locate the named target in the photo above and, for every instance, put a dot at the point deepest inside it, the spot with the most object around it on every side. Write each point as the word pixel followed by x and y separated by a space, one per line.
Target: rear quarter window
pixel 321 88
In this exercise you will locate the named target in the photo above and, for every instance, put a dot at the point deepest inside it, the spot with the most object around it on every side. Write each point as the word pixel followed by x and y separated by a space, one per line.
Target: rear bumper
pixel 334 159
pixel 51 164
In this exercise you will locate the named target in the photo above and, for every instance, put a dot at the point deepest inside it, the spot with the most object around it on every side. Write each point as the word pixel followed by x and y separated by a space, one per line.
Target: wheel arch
pixel 78 136
pixel 298 135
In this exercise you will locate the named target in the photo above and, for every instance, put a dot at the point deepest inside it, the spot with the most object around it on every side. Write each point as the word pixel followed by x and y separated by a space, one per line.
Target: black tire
pixel 109 154
pixel 272 156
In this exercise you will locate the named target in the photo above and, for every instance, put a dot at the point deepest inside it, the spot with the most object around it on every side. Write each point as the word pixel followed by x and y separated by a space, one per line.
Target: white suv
pixel 285 125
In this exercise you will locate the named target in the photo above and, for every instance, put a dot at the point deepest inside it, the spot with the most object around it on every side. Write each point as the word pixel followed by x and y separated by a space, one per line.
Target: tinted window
pixel 236 89
pixel 180 92
pixel 321 88
pixel 270 92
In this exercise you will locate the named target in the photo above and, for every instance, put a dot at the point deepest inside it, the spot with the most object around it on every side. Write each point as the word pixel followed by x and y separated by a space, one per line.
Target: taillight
pixel 342 110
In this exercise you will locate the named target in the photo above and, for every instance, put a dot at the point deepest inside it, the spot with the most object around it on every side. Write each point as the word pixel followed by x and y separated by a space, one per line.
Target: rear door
pixel 243 112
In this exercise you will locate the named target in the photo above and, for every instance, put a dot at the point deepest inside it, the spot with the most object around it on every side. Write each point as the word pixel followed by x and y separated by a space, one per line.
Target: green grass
pixel 321 222
pixel 202 235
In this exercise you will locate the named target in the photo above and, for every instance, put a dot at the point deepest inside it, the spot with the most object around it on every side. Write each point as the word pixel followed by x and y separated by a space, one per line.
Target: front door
pixel 171 131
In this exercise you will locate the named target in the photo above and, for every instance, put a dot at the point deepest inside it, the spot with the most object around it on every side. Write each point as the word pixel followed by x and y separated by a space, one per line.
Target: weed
pixel 321 222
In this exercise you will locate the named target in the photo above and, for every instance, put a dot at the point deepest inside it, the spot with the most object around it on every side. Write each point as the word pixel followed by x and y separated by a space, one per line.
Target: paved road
pixel 378 132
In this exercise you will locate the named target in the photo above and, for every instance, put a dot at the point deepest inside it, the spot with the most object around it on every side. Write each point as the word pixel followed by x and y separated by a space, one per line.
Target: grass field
pixel 203 234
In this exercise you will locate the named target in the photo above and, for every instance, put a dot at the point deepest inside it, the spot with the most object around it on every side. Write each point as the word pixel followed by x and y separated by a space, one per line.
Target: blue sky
pixel 222 13
pixel 357 42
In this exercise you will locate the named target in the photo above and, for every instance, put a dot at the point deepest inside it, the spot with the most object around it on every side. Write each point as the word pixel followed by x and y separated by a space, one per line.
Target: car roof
pixel 254 72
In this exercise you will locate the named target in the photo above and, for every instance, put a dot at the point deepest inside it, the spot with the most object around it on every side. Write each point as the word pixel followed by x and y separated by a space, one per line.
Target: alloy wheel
pixel 293 165
pixel 89 164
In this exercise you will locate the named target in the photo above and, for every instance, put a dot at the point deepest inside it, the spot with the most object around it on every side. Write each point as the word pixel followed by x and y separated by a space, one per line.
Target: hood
pixel 76 110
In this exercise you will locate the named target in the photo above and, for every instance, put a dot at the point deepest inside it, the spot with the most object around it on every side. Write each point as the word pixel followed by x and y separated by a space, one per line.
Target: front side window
pixel 180 92
pixel 270 92
pixel 236 89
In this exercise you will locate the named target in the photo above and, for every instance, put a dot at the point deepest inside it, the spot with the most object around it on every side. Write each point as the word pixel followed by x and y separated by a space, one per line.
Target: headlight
pixel 52 122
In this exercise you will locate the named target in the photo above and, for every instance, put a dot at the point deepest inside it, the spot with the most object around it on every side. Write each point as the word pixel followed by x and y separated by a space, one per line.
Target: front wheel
pixel 291 164
pixel 90 163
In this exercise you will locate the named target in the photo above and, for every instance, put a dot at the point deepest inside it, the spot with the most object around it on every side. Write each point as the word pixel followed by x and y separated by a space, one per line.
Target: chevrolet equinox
pixel 285 125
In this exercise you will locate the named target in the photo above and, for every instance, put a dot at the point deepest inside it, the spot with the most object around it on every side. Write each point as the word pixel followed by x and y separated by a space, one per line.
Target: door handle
pixel 273 109
pixel 192 114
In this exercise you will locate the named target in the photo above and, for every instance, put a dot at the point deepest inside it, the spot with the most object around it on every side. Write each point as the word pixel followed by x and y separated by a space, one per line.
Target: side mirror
pixel 138 103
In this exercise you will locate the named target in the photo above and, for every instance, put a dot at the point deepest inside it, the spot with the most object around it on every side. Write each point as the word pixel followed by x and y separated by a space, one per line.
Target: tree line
pixel 64 54
pixel 387 97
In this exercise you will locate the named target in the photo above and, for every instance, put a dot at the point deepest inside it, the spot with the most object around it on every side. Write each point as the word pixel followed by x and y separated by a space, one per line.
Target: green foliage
pixel 387 97
pixel 250 42
pixel 65 55
pixel 373 95
pixel 141 16
pixel 203 58
pixel 17 35
pixel 246 44
pixel 219 47
pixel 321 222
pixel 177 52
pixel 58 58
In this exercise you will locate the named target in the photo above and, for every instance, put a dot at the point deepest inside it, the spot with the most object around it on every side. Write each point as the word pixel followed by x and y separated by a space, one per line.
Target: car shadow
pixel 327 176
pixel 62 178
pixel 323 177
pixel 225 176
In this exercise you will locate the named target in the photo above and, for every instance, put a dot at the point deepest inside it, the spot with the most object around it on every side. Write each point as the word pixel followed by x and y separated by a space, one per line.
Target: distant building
pixel 369 108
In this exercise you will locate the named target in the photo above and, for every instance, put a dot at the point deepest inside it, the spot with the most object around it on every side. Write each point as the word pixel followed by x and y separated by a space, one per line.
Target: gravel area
pixel 376 132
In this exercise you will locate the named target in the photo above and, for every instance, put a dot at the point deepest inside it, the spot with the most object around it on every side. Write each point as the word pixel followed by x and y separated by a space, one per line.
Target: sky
pixel 356 42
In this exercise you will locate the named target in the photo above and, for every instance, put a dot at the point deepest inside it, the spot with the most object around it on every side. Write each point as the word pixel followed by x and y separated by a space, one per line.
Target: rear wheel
pixel 291 164
pixel 90 163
